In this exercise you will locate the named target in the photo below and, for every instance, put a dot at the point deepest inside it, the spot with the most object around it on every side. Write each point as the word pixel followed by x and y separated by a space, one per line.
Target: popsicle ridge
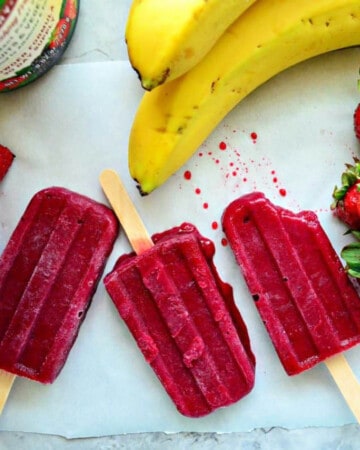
pixel 224 324
pixel 165 359
pixel 336 293
pixel 36 293
pixel 296 280
pixel 68 293
pixel 296 276
pixel 260 272
pixel 191 298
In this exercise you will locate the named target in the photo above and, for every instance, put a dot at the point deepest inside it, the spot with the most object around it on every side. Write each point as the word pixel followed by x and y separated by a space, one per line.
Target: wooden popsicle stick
pixel 346 381
pixel 6 382
pixel 125 211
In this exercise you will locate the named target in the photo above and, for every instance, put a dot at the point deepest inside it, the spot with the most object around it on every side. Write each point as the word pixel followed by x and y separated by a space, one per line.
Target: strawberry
pixel 6 159
pixel 357 121
pixel 346 205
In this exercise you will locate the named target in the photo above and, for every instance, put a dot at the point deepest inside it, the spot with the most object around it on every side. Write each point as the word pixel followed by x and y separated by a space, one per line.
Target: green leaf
pixel 351 255
pixel 346 178
pixel 353 273
pixel 339 193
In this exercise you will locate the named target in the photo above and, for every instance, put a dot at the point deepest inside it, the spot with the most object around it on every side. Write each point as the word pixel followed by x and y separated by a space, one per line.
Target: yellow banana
pixel 174 119
pixel 165 38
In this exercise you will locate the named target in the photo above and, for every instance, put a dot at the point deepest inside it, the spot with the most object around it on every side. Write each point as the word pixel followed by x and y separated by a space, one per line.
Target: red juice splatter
pixel 282 192
pixel 214 225
pixel 198 191
pixel 224 242
pixel 205 205
pixel 254 136
pixel 187 175
pixel 222 145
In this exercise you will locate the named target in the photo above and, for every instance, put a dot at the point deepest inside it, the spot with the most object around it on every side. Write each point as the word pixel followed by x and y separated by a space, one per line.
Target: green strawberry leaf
pixel 351 254
pixel 339 193
pixel 353 273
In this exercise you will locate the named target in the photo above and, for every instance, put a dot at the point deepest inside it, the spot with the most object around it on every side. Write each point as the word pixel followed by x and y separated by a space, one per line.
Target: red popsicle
pixel 49 272
pixel 306 300
pixel 183 317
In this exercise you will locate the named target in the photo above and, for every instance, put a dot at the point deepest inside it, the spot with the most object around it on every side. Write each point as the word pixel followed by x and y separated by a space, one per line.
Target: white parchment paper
pixel 74 122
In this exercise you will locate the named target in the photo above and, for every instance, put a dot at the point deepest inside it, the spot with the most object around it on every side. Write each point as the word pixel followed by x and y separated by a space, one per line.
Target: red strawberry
pixel 357 121
pixel 6 159
pixel 346 205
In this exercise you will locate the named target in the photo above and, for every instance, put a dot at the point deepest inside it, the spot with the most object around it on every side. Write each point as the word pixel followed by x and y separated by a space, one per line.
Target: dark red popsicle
pixel 184 320
pixel 301 290
pixel 49 272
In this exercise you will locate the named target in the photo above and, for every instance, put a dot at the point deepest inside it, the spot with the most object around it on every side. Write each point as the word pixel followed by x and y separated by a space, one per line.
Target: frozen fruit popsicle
pixel 307 302
pixel 182 315
pixel 49 272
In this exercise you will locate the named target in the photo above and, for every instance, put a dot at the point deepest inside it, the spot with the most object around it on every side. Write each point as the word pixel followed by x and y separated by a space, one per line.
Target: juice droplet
pixel 282 192
pixel 187 175
pixel 198 191
pixel 224 242
pixel 222 145
pixel 214 225
pixel 205 205
pixel 254 136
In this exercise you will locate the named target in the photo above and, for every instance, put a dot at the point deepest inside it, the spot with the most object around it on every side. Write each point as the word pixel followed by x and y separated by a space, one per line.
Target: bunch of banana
pixel 174 119
pixel 165 38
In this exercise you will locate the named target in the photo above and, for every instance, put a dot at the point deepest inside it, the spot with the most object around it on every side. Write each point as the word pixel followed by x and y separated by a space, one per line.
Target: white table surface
pixel 99 38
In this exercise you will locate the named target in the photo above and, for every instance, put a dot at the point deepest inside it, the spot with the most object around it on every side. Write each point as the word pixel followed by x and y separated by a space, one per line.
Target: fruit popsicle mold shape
pixel 184 320
pixel 49 272
pixel 306 300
